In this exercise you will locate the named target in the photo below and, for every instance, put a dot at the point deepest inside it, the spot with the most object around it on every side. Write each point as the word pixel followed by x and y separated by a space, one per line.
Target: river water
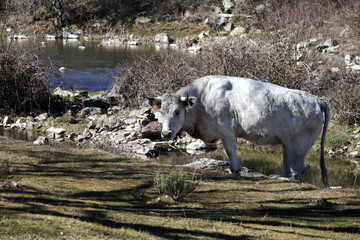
pixel 88 65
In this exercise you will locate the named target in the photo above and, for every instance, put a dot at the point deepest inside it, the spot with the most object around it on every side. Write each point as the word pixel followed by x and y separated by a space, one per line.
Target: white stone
pixel 354 154
pixel 335 69
pixel 238 30
pixel 198 145
pixel 6 120
pixel 81 47
pixel 228 4
pixel 62 69
pixel 163 38
pixel 207 163
pixel 55 130
pixel 347 59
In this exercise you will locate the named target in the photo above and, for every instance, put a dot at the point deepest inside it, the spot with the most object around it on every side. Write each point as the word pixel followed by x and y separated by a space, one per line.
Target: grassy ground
pixel 77 194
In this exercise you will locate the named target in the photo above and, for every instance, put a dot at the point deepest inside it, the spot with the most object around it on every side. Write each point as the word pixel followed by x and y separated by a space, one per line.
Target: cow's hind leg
pixel 293 161
pixel 229 143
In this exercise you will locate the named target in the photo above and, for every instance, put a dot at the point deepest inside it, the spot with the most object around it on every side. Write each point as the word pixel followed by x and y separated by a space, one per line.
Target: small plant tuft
pixel 174 186
pixel 5 168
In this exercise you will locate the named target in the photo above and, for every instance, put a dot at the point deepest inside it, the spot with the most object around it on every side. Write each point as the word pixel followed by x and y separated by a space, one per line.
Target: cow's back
pixel 259 110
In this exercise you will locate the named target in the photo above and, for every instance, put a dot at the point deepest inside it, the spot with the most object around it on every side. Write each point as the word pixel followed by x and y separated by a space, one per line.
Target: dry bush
pixel 158 74
pixel 290 14
pixel 25 85
pixel 344 95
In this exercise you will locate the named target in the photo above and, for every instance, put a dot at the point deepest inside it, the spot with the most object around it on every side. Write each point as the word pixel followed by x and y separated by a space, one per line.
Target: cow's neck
pixel 190 122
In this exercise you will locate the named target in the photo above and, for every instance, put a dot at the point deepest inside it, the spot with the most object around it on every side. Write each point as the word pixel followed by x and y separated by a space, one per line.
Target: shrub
pixel 174 186
pixel 5 167
pixel 25 84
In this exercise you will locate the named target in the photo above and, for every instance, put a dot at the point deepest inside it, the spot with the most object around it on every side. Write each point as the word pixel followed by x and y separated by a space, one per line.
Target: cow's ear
pixel 155 102
pixel 188 101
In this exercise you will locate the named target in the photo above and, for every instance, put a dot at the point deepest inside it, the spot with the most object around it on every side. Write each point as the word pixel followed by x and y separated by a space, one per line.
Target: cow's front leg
pixel 229 143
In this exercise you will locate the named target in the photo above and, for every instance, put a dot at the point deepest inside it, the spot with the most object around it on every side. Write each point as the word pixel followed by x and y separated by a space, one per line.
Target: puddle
pixel 26 135
pixel 341 171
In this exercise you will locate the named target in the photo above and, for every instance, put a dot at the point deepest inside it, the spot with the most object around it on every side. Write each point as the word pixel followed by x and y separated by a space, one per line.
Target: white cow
pixel 219 107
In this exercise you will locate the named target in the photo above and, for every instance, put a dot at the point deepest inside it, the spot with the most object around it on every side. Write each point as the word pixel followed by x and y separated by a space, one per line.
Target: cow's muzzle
pixel 166 134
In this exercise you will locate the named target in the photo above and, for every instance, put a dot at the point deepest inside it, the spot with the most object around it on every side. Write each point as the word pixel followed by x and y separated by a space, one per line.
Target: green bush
pixel 174 186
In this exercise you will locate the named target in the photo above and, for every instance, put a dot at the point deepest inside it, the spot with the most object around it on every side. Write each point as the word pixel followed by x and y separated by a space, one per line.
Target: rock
pixel 42 117
pixel 198 145
pixel 91 111
pixel 228 27
pixel 50 37
pixel 81 47
pixel 41 140
pixel 207 163
pixel 194 49
pixel 228 4
pixel 133 43
pixel 335 69
pixel 129 121
pixel 346 32
pixel 347 59
pixel 96 101
pixel 62 69
pixel 72 36
pixel 142 20
pixel 354 154
pixel 163 38
pixel 55 133
pixel 6 121
pixel 61 92
pixel 152 130
pixel 260 8
pixel 222 20
pixel 238 30
pixel 20 36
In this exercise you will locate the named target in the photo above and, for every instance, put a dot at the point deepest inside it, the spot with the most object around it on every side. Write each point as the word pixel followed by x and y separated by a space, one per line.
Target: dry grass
pixel 92 195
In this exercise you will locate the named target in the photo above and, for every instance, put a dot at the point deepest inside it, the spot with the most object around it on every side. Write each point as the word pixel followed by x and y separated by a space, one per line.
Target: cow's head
pixel 173 111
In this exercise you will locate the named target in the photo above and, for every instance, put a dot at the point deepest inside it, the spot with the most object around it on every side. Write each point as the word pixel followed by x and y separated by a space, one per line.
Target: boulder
pixel 228 27
pixel 91 111
pixel 55 133
pixel 197 145
pixel 238 30
pixel 96 101
pixel 6 121
pixel 42 117
pixel 41 141
pixel 152 130
pixel 163 38
pixel 228 4
pixel 142 20
pixel 355 154
pixel 208 163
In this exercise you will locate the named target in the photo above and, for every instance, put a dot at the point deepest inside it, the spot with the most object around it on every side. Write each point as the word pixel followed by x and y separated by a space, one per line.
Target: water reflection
pixel 340 170
pixel 26 135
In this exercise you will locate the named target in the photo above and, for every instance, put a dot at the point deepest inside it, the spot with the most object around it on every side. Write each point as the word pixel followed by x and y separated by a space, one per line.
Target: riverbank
pixel 81 194
pixel 97 125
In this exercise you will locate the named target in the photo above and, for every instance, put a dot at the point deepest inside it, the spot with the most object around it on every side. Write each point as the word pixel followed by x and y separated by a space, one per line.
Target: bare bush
pixel 344 95
pixel 152 76
pixel 289 14
pixel 25 87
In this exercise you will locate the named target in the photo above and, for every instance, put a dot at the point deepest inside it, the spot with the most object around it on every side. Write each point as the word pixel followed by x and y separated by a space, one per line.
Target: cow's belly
pixel 261 139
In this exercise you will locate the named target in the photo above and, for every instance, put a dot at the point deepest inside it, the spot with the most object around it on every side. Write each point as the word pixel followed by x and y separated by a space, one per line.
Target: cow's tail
pixel 324 105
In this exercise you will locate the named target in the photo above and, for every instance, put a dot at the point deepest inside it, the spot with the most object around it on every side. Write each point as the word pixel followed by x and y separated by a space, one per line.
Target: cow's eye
pixel 176 113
